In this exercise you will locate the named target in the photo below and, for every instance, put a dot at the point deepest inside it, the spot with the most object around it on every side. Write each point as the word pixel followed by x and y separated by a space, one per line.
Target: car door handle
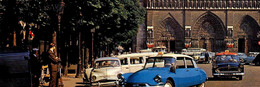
pixel 127 68
pixel 197 70
pixel 187 70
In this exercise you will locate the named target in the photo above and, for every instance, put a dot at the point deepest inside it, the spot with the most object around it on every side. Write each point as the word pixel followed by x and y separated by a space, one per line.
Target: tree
pixel 115 21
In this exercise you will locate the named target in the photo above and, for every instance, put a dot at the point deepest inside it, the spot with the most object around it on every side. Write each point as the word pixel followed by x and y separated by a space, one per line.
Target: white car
pixel 105 71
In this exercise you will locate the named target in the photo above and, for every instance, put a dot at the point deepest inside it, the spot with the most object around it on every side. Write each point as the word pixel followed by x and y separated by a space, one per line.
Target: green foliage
pixel 117 20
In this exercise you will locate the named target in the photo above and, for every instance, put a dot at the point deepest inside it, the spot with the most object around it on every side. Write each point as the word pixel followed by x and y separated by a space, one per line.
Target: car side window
pixel 189 63
pixel 136 60
pixel 124 61
pixel 180 62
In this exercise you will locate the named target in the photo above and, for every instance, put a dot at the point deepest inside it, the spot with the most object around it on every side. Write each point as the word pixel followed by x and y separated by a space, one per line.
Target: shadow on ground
pixel 222 79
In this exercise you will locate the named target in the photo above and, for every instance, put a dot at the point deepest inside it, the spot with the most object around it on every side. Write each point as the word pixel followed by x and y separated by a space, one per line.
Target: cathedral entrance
pixel 250 30
pixel 241 45
pixel 209 31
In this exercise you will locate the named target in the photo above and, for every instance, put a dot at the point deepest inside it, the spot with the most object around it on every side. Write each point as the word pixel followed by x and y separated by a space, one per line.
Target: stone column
pixel 169 46
pixel 208 43
pixel 246 48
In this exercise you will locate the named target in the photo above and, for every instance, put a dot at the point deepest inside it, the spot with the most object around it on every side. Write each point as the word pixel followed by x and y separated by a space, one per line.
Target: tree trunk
pixel 78 74
pixel 67 63
pixel 14 40
pixel 87 58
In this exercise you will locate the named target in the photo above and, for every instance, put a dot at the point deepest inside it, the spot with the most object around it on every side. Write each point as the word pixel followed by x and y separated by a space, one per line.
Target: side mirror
pixel 173 68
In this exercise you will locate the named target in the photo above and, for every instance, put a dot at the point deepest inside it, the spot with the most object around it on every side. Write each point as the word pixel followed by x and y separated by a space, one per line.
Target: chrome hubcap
pixel 168 85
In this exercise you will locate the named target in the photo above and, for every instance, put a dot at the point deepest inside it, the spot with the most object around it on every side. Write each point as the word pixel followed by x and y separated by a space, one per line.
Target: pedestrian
pixel 35 67
pixel 207 57
pixel 53 66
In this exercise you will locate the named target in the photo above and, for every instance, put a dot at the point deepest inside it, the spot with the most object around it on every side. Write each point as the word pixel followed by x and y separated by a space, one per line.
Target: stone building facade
pixel 215 25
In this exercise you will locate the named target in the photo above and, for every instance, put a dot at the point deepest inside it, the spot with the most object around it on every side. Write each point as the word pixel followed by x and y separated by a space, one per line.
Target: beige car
pixel 134 62
pixel 105 71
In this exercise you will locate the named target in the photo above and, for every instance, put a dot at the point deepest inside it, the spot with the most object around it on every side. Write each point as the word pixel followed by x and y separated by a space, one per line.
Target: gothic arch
pixel 208 32
pixel 174 33
pixel 250 29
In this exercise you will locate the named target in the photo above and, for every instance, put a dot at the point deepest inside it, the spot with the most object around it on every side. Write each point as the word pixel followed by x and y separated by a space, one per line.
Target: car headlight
pixel 230 60
pixel 217 70
pixel 93 78
pixel 157 78
pixel 120 77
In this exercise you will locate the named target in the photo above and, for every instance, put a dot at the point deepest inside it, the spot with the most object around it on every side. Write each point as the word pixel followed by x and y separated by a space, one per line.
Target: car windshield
pixel 106 63
pixel 202 54
pixel 241 54
pixel 253 54
pixel 159 62
pixel 227 58
pixel 196 54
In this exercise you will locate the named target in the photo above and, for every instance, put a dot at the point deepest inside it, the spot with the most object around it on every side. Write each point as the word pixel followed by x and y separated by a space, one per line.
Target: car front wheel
pixel 240 77
pixel 201 85
pixel 168 84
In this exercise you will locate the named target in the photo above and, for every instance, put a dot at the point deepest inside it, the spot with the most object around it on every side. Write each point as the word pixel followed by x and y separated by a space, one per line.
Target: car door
pixel 186 74
pixel 125 65
pixel 182 78
pixel 193 71
pixel 136 64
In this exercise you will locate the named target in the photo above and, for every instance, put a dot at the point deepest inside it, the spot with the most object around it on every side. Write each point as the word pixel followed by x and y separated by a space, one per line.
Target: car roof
pixel 135 55
pixel 107 58
pixel 173 55
pixel 226 53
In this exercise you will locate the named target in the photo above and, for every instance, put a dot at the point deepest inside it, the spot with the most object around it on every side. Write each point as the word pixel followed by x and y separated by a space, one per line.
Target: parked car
pixel 251 56
pixel 242 56
pixel 202 57
pixel 105 71
pixel 257 60
pixel 134 61
pixel 168 70
pixel 125 63
pixel 227 64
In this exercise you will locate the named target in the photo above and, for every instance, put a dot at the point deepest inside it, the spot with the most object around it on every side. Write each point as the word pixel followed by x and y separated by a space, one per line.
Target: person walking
pixel 53 66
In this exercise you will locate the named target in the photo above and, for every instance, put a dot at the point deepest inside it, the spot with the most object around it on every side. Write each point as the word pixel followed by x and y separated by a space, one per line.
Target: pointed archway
pixel 247 41
pixel 172 34
pixel 209 33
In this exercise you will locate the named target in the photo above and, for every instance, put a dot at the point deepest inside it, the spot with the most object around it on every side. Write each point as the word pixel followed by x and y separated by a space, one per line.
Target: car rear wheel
pixel 257 63
pixel 169 83
pixel 201 85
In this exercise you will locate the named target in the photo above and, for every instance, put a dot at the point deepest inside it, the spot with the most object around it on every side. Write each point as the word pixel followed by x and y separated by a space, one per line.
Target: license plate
pixel 228 74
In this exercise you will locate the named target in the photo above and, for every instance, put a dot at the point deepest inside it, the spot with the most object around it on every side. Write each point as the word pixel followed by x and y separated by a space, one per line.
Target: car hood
pixel 147 75
pixel 106 73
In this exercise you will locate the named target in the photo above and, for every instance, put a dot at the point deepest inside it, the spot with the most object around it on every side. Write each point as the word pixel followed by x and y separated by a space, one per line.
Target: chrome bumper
pixel 102 82
pixel 228 74
pixel 142 85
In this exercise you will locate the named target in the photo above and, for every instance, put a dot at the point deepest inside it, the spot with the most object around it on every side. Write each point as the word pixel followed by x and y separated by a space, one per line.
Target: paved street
pixel 251 78
pixel 14 73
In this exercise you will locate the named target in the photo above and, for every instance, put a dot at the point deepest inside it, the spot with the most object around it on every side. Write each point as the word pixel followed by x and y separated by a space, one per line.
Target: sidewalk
pixel 71 81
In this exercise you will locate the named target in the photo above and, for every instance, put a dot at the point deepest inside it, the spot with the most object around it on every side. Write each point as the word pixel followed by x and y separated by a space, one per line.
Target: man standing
pixel 35 67
pixel 53 66
pixel 207 57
